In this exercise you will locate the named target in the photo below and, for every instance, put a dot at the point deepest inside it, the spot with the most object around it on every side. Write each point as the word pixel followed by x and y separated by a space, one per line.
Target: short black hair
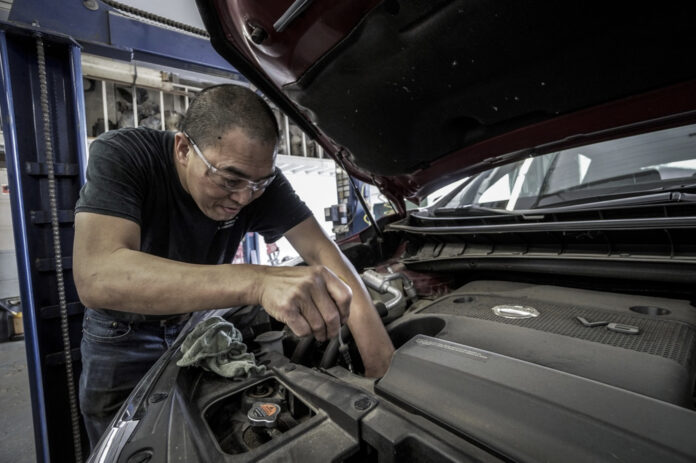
pixel 220 108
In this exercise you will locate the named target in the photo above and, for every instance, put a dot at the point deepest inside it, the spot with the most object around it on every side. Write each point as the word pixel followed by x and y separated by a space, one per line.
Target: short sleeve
pixel 278 210
pixel 115 182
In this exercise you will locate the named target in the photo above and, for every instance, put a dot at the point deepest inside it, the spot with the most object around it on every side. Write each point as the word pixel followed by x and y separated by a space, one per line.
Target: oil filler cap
pixel 263 414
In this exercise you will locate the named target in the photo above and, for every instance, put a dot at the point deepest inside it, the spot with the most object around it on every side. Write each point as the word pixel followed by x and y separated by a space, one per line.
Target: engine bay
pixel 490 371
pixel 639 343
pixel 514 368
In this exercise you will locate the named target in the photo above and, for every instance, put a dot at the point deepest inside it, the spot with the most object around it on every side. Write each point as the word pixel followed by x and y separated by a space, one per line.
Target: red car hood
pixel 410 95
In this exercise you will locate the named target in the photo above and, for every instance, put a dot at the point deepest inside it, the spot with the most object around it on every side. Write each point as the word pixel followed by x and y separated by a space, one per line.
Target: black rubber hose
pixel 301 349
pixel 381 309
pixel 331 353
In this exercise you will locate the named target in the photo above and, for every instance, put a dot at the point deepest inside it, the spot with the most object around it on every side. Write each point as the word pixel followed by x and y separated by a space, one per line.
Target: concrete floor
pixel 16 428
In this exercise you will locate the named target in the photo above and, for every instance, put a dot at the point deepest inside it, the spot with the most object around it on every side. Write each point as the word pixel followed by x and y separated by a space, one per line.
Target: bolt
pixel 258 35
pixel 362 403
pixel 91 4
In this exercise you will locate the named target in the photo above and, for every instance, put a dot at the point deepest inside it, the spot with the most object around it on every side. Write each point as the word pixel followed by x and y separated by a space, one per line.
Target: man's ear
pixel 181 149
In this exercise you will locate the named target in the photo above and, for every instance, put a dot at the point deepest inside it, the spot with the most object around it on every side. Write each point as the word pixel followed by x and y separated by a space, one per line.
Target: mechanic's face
pixel 224 177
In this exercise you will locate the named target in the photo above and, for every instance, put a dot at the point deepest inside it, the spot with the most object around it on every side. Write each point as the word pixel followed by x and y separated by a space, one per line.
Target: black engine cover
pixel 657 362
pixel 526 412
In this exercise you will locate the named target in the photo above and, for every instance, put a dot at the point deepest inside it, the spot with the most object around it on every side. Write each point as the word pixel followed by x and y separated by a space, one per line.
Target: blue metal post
pixel 250 246
pixel 62 25
pixel 26 289
pixel 28 139
pixel 80 113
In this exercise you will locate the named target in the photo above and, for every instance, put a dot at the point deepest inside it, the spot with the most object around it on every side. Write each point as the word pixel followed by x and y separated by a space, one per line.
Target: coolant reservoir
pixel 270 341
pixel 263 414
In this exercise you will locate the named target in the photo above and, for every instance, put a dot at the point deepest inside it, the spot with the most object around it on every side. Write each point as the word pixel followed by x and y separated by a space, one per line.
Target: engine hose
pixel 381 283
pixel 301 349
pixel 55 228
pixel 331 353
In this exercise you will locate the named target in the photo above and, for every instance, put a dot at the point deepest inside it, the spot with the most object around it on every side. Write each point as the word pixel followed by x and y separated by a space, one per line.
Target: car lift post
pixel 43 199
pixel 44 127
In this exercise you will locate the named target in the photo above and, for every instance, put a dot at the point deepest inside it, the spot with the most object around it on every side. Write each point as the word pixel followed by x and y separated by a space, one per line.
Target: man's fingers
pixel 314 319
pixel 310 300
pixel 341 294
pixel 328 310
pixel 299 325
pixel 332 297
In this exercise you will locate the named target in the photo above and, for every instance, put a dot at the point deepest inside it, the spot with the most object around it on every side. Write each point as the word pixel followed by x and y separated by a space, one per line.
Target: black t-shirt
pixel 131 174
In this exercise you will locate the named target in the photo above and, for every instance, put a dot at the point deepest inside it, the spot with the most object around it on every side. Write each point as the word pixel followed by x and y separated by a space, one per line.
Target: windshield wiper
pixel 473 209
pixel 635 199
pixel 642 197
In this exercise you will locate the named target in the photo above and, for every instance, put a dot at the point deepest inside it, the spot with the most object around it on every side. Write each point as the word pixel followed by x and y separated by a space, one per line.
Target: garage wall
pixel 9 282
pixel 314 180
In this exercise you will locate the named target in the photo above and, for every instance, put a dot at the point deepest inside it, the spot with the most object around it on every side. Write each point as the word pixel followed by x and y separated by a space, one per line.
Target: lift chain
pixel 53 205
pixel 155 18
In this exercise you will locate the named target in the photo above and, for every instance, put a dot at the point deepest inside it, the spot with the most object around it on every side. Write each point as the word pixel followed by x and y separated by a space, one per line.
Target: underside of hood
pixel 410 95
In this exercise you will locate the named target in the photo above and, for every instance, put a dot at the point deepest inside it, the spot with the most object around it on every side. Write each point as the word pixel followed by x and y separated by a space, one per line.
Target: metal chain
pixel 53 205
pixel 156 18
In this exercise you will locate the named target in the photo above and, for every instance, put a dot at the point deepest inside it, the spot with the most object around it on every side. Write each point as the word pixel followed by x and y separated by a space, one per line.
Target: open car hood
pixel 411 95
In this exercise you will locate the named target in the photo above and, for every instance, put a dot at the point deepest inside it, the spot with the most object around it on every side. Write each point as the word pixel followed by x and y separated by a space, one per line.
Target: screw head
pixel 91 4
pixel 363 403
pixel 258 35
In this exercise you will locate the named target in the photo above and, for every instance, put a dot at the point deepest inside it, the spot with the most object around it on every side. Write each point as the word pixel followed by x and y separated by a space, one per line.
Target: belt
pixel 136 318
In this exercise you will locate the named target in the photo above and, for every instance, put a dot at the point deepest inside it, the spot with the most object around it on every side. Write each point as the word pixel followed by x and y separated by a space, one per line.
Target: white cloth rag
pixel 216 345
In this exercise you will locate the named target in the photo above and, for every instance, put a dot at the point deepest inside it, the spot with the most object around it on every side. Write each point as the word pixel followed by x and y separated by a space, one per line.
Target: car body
pixel 544 309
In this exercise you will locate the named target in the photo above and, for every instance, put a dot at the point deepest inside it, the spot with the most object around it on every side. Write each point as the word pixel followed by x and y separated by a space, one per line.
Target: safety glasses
pixel 229 181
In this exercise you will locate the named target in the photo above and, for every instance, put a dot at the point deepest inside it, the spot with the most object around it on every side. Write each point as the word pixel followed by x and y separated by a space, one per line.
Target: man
pixel 156 225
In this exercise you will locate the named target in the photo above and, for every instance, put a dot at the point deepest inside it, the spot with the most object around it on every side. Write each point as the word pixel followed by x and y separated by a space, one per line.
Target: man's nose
pixel 242 197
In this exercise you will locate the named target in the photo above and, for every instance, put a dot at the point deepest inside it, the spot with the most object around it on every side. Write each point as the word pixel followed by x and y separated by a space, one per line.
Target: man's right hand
pixel 310 300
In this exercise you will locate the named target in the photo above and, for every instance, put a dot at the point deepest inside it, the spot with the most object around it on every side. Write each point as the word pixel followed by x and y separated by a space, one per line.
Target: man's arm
pixel 316 248
pixel 112 273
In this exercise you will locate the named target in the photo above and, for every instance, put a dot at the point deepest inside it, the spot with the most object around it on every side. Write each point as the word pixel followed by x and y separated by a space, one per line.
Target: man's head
pixel 225 152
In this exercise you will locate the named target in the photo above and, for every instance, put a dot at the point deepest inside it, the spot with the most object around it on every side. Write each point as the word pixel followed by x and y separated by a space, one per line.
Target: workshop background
pixel 69 71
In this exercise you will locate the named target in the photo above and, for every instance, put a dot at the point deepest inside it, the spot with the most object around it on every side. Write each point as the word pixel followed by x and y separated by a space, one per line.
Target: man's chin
pixel 224 214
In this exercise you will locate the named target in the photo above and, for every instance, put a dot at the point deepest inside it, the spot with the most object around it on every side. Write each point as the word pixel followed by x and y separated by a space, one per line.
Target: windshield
pixel 652 161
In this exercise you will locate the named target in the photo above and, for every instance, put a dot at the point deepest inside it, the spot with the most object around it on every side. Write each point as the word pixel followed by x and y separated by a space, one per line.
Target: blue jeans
pixel 115 357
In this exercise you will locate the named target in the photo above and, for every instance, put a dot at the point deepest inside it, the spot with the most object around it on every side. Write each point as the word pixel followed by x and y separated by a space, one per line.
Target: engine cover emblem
pixel 515 311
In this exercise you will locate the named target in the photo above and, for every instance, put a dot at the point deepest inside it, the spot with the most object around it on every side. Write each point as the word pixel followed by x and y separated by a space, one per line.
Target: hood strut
pixel 356 190
pixel 291 14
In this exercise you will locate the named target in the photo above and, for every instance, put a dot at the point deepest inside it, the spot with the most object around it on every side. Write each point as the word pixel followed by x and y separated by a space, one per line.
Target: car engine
pixel 516 368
